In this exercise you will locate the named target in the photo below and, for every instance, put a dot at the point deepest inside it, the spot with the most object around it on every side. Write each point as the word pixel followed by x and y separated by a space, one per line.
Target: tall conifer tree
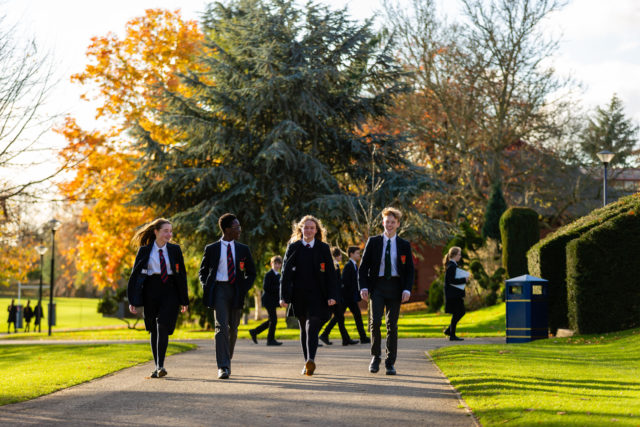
pixel 274 126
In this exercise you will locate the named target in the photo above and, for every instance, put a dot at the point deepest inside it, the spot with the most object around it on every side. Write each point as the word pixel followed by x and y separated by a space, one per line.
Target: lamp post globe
pixel 54 224
pixel 605 157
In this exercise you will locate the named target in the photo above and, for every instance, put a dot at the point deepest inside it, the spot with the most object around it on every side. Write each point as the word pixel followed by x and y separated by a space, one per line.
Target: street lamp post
pixel 605 157
pixel 54 226
pixel 41 250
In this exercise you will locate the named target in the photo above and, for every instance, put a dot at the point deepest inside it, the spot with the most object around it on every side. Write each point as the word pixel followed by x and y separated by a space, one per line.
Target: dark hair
pixel 335 251
pixel 226 221
pixel 276 258
pixel 352 249
pixel 145 235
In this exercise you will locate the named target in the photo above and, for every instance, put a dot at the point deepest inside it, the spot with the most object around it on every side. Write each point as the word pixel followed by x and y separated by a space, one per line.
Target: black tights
pixel 455 318
pixel 159 344
pixel 309 331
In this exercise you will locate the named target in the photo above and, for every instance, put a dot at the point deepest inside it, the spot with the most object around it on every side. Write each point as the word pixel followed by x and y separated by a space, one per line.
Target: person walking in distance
pixel 13 317
pixel 270 301
pixel 350 293
pixel 386 277
pixel 453 295
pixel 28 314
pixel 308 283
pixel 338 309
pixel 159 269
pixel 226 274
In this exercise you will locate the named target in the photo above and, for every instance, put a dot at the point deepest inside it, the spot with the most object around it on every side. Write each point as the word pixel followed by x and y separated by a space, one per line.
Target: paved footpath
pixel 265 388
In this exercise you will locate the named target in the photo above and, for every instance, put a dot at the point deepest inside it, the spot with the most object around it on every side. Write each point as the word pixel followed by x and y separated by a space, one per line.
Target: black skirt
pixel 454 305
pixel 161 303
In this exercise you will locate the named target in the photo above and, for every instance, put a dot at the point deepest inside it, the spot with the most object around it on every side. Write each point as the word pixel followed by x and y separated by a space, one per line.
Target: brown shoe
pixel 309 367
pixel 162 372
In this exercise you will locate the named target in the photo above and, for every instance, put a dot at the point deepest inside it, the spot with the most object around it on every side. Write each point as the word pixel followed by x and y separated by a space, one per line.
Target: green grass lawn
pixel 413 324
pixel 29 371
pixel 582 381
pixel 72 313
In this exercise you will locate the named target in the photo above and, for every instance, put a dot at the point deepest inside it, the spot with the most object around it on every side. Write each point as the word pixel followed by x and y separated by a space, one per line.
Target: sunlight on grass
pixel 416 324
pixel 582 381
pixel 29 371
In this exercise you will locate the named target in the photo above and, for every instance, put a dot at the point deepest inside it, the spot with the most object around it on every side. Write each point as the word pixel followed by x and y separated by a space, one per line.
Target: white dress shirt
pixel 311 243
pixel 223 275
pixel 394 256
pixel 154 260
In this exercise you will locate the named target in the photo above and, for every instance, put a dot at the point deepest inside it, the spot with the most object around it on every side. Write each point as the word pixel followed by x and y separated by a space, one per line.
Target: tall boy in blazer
pixel 226 274
pixel 386 276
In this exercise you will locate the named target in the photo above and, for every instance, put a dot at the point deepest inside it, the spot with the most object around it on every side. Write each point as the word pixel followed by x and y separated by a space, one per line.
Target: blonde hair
pixel 392 211
pixel 145 235
pixel 296 232
pixel 453 251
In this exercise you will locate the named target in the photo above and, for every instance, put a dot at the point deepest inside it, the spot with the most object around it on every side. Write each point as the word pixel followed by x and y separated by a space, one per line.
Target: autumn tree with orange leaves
pixel 123 76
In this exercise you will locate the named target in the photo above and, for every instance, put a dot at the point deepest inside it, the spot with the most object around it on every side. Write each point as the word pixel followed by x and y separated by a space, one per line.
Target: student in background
pixel 270 301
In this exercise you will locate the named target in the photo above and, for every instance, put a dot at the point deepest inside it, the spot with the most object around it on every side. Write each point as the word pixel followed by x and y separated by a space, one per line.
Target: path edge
pixel 456 392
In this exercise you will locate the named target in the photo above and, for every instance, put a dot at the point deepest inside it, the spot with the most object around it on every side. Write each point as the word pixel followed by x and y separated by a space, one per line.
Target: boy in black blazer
pixel 386 275
pixel 270 301
pixel 226 274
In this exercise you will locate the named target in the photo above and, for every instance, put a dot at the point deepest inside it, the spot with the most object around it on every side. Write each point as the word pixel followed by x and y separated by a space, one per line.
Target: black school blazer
pixel 177 266
pixel 370 265
pixel 245 273
pixel 324 271
pixel 350 291
pixel 271 290
pixel 451 292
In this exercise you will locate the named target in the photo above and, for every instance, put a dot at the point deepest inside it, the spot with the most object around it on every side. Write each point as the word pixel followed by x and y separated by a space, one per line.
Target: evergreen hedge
pixel 602 278
pixel 547 258
pixel 519 230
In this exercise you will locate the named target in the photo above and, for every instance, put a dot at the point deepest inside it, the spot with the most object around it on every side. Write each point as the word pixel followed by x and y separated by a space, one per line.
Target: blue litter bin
pixel 526 301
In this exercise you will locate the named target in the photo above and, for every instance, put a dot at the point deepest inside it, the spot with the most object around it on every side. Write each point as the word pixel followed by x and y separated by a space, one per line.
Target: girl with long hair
pixel 309 284
pixel 158 282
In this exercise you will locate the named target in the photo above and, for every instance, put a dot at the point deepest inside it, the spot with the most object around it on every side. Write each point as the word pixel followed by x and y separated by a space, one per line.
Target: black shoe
pixel 365 340
pixel 325 340
pixel 154 374
pixel 223 373
pixel 350 342
pixel 455 338
pixel 254 336
pixel 162 372
pixel 274 342
pixel 447 332
pixel 320 344
pixel 390 370
pixel 374 366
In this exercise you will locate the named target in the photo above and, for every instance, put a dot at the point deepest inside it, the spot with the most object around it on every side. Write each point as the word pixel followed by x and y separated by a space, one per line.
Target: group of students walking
pixel 28 313
pixel 309 286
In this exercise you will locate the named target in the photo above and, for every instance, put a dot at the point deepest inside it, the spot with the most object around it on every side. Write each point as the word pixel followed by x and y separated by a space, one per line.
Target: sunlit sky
pixel 600 44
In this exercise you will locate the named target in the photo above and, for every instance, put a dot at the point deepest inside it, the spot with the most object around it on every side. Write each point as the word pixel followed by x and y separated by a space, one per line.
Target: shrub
pixel 519 230
pixel 491 283
pixel 603 294
pixel 495 208
pixel 436 295
pixel 547 258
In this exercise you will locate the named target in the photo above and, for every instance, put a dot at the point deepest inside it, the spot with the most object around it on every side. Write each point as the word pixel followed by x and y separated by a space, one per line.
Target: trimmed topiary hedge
pixel 603 289
pixel 547 258
pixel 519 230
